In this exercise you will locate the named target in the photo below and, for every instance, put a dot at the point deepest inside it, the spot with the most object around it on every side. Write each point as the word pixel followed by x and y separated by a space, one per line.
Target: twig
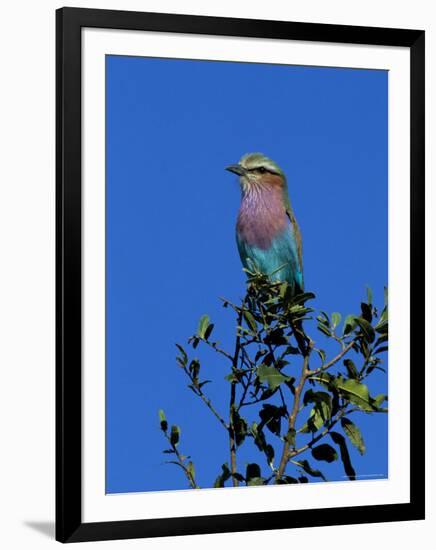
pixel 214 345
pixel 293 416
pixel 246 386
pixel 249 342
pixel 338 340
pixel 251 402
pixel 198 391
pixel 247 360
pixel 315 440
pixel 333 361
pixel 231 428
pixel 179 462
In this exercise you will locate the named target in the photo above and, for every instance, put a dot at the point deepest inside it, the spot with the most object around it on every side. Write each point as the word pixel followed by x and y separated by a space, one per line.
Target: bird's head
pixel 256 171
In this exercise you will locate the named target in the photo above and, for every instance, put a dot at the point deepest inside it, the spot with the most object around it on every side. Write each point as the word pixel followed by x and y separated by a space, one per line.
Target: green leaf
pixel 355 392
pixel 175 435
pixel 384 315
pixel 271 417
pixel 324 452
pixel 378 401
pixel 183 358
pixel 336 319
pixel 208 331
pixel 381 339
pixel 276 337
pixel 194 368
pixel 382 328
pixel 286 480
pixel 240 427
pixel 351 369
pixel 351 390
pixel 353 434
pixel 256 481
pixel 320 413
pixel 364 349
pixel 349 324
pixel 304 464
pixel 324 330
pixel 223 477
pixel 303 297
pixel 284 290
pixel 324 318
pixel 269 454
pixel 202 326
pixel 366 312
pixel 271 376
pixel 191 469
pixel 345 455
pixel 261 444
pixel 317 397
pixel 163 421
pixel 194 341
pixel 366 329
pixel 239 477
pixel 252 471
pixel 369 294
pixel 250 320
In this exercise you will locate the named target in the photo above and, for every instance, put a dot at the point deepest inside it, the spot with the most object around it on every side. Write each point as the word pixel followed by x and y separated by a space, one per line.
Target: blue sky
pixel 172 127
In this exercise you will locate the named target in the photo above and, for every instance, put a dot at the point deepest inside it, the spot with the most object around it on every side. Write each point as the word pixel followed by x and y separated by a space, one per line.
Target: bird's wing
pixel 297 233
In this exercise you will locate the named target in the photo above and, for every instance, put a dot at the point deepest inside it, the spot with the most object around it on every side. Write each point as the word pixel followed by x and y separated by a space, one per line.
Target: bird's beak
pixel 236 169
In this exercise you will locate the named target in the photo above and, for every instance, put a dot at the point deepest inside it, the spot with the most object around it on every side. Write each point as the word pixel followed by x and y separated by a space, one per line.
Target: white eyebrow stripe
pixel 254 161
pixel 267 167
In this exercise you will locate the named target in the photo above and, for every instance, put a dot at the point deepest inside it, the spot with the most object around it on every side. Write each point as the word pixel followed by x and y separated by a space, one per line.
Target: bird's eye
pixel 262 170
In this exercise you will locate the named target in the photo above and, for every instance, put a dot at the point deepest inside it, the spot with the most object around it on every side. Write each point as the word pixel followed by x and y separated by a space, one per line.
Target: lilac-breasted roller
pixel 267 232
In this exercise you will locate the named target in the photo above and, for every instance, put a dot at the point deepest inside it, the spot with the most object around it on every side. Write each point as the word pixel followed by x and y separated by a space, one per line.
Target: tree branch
pixel 333 361
pixel 214 346
pixel 246 386
pixel 198 391
pixel 293 416
pixel 190 477
pixel 231 428
pixel 315 440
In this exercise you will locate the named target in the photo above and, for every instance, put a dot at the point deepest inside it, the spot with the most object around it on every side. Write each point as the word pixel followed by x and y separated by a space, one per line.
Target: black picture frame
pixel 69 525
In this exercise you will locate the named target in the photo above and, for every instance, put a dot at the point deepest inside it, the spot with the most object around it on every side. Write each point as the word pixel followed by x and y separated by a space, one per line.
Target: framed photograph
pixel 240 239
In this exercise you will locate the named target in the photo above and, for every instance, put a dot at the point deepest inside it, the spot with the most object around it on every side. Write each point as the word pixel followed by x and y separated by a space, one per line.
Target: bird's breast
pixel 261 219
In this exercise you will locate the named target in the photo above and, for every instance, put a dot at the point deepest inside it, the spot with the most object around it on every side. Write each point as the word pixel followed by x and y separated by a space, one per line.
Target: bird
pixel 267 232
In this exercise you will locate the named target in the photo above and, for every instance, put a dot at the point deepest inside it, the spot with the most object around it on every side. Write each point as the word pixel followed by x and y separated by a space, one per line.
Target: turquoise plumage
pixel 267 232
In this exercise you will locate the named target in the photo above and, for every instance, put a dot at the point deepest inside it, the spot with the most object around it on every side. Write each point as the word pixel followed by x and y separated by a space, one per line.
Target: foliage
pixel 286 396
